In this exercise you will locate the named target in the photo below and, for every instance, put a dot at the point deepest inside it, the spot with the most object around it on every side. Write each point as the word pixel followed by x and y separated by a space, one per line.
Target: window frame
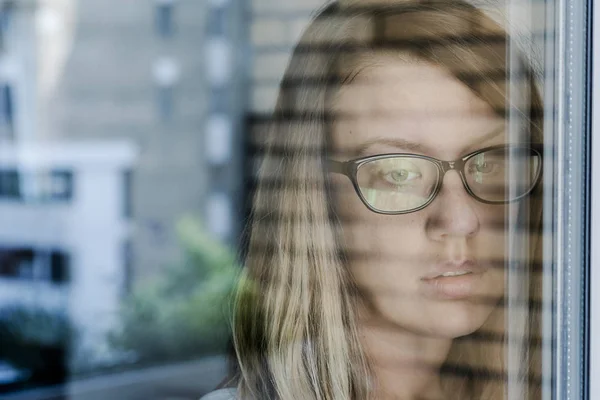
pixel 594 315
pixel 570 258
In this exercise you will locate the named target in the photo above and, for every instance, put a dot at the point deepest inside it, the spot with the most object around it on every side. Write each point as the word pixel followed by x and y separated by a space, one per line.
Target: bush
pixel 36 340
pixel 184 314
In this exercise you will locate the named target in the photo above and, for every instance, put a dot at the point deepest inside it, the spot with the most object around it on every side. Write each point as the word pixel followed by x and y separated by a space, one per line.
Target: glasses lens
pixel 490 178
pixel 397 184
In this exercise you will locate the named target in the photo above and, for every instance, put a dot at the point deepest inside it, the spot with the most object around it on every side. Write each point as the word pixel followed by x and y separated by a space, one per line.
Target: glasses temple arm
pixel 339 167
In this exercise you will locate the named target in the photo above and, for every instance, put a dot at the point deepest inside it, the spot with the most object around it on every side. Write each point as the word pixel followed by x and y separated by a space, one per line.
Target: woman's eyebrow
pixel 407 145
pixel 486 138
pixel 402 144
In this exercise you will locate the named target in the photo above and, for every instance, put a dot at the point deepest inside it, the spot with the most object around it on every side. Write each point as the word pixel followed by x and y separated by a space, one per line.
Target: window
pixel 53 186
pixel 59 267
pixel 220 182
pixel 6 14
pixel 17 263
pixel 7 78
pixel 58 186
pixel 165 103
pixel 165 24
pixel 128 275
pixel 166 76
pixel 127 194
pixel 7 111
pixel 219 215
pixel 9 184
pixel 217 24
pixel 28 263
pixel 218 140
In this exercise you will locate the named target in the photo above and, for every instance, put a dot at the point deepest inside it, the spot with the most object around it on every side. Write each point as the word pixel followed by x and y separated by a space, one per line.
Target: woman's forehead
pixel 412 100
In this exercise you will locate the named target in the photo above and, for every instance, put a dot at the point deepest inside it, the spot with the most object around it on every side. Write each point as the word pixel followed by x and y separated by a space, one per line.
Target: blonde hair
pixel 295 330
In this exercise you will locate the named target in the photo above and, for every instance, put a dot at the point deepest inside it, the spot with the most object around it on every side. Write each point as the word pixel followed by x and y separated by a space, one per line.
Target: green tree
pixel 186 312
pixel 37 341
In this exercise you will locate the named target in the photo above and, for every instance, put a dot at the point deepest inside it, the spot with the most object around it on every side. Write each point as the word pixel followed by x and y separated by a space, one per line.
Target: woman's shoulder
pixel 221 394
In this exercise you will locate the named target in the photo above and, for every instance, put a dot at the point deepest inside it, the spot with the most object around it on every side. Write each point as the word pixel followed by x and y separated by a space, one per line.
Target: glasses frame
pixel 350 169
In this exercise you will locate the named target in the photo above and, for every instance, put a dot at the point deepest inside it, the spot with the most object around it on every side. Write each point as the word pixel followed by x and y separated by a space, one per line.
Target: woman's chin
pixel 444 321
pixel 460 320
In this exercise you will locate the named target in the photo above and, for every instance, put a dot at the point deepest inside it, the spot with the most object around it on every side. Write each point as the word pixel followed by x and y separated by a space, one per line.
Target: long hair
pixel 295 324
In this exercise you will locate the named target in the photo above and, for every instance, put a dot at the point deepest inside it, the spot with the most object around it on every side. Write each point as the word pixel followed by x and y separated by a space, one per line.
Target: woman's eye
pixel 401 176
pixel 484 168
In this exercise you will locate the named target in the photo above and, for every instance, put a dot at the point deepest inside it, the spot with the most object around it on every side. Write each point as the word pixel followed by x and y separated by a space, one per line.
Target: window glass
pixel 351 199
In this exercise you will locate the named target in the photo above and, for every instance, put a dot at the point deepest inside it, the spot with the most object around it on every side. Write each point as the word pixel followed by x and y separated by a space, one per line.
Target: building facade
pixel 135 71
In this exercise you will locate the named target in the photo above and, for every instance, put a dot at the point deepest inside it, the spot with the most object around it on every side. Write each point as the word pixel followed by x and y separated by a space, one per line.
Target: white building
pixel 65 230
pixel 64 223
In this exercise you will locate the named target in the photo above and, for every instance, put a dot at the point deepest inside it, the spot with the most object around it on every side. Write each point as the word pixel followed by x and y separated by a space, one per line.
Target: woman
pixel 376 263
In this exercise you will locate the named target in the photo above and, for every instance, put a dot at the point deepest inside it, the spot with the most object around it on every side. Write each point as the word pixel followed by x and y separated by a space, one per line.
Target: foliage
pixel 36 340
pixel 185 314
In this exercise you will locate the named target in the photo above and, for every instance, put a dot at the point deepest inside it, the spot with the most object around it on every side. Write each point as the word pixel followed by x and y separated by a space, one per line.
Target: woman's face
pixel 397 106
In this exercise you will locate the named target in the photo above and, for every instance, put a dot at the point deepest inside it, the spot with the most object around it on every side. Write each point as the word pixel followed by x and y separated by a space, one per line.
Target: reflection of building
pixel 136 71
pixel 83 74
pixel 64 223
pixel 53 199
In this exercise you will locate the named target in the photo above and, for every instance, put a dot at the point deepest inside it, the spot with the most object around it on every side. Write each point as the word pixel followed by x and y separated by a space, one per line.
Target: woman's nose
pixel 452 212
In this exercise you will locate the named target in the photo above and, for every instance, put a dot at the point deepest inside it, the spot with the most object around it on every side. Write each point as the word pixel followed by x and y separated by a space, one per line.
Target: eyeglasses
pixel 404 183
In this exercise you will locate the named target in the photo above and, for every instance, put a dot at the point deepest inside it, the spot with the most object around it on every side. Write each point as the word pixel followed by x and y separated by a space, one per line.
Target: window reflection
pixel 169 222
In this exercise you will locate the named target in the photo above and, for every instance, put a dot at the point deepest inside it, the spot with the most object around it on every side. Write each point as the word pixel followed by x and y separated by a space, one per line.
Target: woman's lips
pixel 453 281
